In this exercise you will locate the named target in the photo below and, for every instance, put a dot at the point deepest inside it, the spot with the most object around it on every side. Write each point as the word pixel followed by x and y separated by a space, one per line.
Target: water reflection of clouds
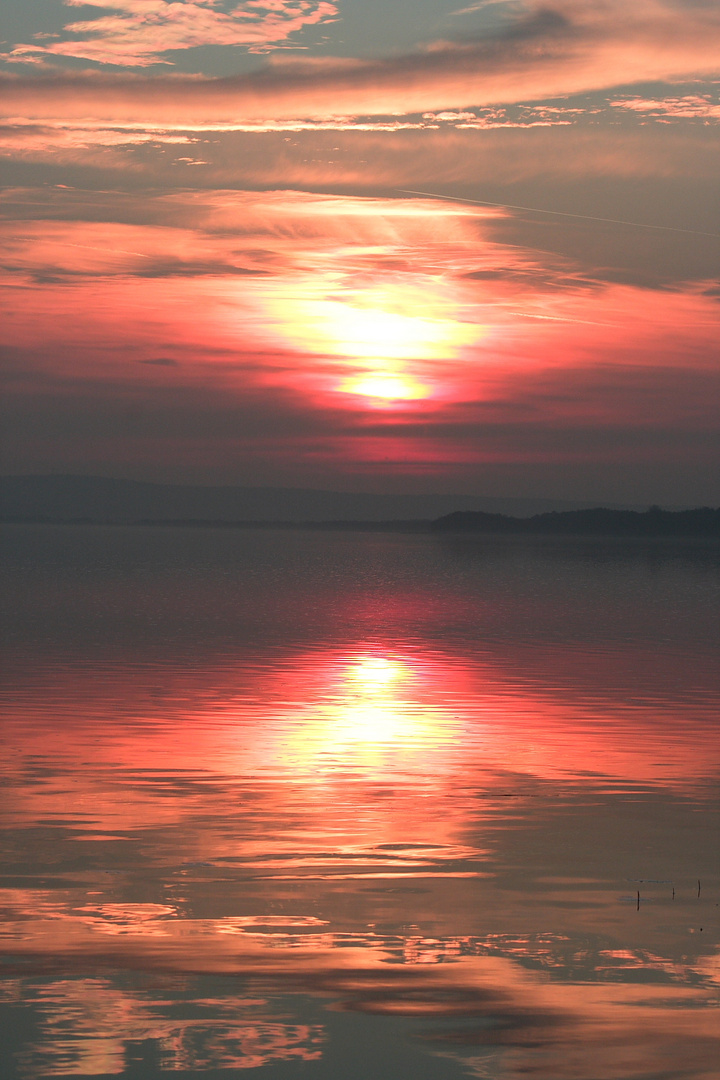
pixel 473 998
pixel 87 1027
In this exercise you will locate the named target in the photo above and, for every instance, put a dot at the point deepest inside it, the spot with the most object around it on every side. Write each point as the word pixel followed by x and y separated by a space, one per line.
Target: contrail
pixel 559 213
pixel 559 318
pixel 111 251
pixel 93 247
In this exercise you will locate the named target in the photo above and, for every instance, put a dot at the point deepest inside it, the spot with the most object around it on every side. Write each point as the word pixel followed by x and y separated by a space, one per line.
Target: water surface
pixel 359 805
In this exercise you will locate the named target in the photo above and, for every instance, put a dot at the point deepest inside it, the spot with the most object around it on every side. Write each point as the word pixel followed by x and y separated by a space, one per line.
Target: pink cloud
pixel 690 106
pixel 37 139
pixel 577 46
pixel 333 288
pixel 140 32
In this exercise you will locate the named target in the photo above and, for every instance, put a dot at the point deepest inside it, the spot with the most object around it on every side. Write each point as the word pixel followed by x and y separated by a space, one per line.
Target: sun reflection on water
pixel 372 705
pixel 368 711
pixel 341 819
pixel 375 799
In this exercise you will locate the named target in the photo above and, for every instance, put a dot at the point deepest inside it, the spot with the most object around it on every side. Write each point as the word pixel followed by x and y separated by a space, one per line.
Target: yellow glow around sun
pixel 386 327
pixel 385 324
pixel 376 334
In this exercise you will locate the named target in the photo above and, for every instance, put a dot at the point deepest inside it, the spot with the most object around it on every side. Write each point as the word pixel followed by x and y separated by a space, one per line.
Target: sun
pixel 386 387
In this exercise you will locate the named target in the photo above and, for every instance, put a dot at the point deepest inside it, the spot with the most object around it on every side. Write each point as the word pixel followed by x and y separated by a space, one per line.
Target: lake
pixel 355 805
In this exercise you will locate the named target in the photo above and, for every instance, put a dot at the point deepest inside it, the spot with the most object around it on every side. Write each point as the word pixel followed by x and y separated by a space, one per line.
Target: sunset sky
pixel 365 246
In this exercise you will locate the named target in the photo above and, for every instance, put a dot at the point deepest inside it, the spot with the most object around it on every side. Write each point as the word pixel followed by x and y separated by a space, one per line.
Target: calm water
pixel 358 806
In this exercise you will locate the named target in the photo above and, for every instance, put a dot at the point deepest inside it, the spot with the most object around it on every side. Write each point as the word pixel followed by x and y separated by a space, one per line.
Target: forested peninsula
pixel 654 522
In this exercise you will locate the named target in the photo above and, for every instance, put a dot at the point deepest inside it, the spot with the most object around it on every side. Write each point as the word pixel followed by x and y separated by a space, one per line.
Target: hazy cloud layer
pixel 576 181
pixel 408 158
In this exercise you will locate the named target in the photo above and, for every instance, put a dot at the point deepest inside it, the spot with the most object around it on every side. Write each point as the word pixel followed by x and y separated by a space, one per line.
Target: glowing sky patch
pixel 370 332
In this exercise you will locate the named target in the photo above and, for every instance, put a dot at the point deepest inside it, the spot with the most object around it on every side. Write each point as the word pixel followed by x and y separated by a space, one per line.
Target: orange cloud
pixel 687 107
pixel 140 32
pixel 577 46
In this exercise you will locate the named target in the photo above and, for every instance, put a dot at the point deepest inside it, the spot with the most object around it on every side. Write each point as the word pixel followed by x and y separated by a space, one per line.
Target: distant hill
pixel 100 499
pixel 597 521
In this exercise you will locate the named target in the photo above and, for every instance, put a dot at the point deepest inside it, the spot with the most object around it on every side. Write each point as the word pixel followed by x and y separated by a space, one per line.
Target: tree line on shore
pixel 701 522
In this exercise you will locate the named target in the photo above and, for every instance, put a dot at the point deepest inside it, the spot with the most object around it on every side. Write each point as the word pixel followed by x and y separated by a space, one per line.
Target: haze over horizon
pixel 341 245
pixel 102 499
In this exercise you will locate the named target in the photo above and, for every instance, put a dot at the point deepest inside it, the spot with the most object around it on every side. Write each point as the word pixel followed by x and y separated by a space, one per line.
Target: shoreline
pixel 516 529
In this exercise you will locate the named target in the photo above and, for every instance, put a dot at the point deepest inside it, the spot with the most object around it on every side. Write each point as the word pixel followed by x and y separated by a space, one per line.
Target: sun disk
pixel 386 387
